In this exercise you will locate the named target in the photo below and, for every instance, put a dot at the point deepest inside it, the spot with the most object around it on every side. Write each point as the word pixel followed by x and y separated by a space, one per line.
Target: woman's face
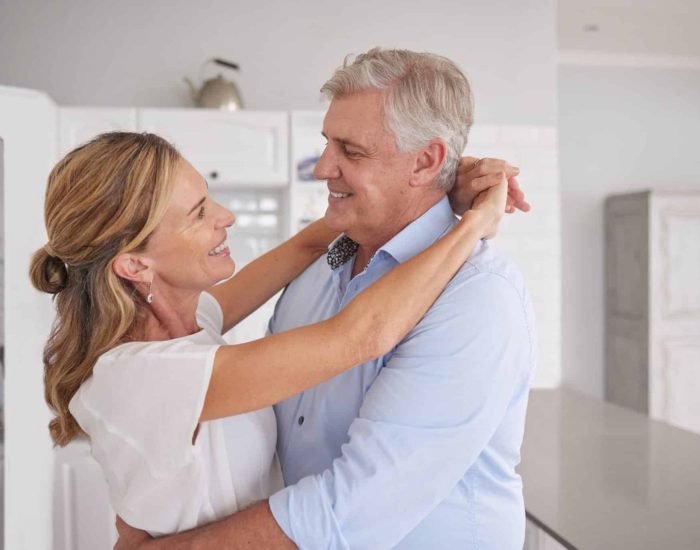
pixel 188 250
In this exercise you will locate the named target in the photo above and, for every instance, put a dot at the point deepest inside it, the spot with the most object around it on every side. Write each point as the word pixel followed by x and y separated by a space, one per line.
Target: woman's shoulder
pixel 210 316
pixel 138 371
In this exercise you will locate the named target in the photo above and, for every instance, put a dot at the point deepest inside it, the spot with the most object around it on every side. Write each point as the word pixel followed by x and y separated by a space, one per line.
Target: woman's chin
pixel 231 270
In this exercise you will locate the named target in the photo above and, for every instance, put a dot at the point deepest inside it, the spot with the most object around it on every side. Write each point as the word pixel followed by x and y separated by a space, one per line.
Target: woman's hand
pixel 476 175
pixel 490 205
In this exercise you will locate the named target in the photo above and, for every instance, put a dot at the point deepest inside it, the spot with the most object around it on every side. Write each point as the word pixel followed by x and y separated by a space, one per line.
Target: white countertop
pixel 599 476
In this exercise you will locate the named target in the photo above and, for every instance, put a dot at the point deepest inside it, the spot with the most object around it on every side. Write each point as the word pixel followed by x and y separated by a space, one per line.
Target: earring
pixel 149 296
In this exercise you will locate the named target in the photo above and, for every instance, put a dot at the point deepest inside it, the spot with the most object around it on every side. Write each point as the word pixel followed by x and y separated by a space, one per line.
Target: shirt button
pixel 301 420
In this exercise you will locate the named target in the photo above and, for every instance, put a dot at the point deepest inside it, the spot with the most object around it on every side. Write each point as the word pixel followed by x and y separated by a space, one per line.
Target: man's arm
pixel 429 414
pixel 250 529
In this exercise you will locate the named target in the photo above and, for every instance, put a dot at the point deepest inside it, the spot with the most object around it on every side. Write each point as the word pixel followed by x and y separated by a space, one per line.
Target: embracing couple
pixel 398 360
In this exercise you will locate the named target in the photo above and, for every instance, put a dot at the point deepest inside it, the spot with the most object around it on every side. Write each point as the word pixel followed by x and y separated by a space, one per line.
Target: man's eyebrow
pixel 346 141
pixel 200 203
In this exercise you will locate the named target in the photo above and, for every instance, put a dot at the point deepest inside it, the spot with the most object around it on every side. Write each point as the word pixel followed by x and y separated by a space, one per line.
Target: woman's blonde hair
pixel 103 199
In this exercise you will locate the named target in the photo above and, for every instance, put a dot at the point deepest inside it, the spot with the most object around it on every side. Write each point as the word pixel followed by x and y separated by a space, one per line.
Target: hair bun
pixel 48 273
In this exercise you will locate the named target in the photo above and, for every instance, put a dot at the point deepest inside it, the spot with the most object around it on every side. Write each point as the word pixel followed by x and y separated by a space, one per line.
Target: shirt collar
pixel 412 239
pixel 340 251
pixel 421 232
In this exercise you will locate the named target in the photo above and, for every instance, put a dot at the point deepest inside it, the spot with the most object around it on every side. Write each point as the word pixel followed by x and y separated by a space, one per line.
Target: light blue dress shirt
pixel 416 449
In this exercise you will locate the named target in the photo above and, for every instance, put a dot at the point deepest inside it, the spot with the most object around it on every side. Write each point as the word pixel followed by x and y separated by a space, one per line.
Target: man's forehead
pixel 356 118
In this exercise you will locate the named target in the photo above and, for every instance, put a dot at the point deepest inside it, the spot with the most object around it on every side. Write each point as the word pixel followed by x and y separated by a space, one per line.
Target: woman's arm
pixel 250 376
pixel 262 278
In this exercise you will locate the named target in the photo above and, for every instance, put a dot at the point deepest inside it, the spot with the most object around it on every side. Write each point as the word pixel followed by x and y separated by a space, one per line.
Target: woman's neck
pixel 169 317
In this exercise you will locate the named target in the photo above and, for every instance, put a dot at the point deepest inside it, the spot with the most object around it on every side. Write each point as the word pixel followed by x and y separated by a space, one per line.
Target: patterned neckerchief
pixel 342 251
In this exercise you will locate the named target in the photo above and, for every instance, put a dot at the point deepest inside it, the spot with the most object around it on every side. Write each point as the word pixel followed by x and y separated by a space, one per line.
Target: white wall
pixel 621 129
pixel 134 53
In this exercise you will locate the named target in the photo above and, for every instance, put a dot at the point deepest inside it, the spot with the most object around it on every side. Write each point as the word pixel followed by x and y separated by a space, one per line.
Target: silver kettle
pixel 217 93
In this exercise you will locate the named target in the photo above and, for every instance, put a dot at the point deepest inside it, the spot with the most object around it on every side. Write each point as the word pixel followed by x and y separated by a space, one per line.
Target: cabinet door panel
pixel 83 518
pixel 675 312
pixel 226 148
pixel 681 365
pixel 78 125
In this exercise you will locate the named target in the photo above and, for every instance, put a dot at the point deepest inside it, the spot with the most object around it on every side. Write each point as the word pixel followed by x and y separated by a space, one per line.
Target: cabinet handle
pixel 213 174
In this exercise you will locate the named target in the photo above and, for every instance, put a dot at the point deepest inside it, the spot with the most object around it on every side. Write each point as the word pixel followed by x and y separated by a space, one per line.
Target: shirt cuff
pixel 280 511
pixel 305 514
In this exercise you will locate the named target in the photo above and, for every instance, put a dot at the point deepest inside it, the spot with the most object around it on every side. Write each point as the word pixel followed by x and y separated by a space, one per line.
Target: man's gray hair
pixel 427 97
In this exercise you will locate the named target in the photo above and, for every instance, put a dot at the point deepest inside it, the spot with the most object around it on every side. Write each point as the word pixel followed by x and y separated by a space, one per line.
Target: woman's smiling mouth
pixel 219 250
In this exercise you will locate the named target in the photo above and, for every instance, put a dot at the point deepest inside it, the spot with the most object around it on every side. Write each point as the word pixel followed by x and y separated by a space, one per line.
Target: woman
pixel 136 358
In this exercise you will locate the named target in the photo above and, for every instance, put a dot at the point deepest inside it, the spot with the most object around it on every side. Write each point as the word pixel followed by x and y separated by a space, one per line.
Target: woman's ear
pixel 428 163
pixel 132 268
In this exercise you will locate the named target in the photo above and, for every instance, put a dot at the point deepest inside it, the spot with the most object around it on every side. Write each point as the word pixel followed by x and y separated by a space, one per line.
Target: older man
pixel 418 448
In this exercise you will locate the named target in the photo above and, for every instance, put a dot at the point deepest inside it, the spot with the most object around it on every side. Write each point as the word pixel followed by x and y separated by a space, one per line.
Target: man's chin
pixel 334 222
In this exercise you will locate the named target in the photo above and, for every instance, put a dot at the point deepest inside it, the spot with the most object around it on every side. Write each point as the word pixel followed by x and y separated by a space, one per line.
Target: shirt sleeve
pixel 140 409
pixel 426 418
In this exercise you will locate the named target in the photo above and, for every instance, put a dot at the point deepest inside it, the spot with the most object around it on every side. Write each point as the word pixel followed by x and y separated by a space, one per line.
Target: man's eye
pixel 350 153
pixel 201 212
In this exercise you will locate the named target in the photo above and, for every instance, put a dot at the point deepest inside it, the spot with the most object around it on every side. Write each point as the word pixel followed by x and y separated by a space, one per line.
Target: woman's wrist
pixel 316 237
pixel 476 220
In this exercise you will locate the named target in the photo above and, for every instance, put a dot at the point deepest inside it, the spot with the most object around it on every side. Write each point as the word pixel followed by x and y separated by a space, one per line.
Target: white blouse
pixel 140 409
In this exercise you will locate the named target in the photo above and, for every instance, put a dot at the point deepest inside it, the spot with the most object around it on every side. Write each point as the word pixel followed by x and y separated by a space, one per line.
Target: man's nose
pixel 326 168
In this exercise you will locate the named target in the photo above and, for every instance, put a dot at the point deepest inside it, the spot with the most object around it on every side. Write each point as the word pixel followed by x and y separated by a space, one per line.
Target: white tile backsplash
pixel 533 240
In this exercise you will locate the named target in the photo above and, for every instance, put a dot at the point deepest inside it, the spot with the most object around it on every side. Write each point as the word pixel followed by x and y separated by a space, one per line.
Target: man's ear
pixel 428 163
pixel 132 268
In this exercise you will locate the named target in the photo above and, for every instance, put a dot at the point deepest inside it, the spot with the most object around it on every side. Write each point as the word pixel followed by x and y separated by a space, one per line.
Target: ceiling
pixel 640 27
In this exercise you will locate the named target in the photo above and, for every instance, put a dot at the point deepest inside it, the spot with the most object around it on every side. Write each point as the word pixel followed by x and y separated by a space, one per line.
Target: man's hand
pixel 477 175
pixel 129 537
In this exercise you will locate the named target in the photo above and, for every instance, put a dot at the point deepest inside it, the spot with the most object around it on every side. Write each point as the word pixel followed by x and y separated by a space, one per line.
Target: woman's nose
pixel 226 218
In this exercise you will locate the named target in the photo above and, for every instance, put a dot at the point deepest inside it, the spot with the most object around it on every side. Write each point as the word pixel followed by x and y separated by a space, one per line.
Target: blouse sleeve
pixel 141 408
pixel 210 316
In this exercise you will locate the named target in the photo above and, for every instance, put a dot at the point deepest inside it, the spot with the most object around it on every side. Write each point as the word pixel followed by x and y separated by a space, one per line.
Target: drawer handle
pixel 213 174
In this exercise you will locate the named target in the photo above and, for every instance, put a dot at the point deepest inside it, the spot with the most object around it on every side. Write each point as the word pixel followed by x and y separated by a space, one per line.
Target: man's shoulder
pixel 489 266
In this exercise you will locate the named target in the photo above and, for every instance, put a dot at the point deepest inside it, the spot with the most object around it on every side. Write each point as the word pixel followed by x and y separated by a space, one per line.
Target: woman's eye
pixel 200 214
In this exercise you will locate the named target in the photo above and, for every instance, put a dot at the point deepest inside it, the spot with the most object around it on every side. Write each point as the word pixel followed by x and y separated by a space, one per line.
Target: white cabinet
pixel 77 125
pixel 308 197
pixel 83 517
pixel 653 305
pixel 229 148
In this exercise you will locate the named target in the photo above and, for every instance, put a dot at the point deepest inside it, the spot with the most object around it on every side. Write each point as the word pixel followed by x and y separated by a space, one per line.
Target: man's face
pixel 367 176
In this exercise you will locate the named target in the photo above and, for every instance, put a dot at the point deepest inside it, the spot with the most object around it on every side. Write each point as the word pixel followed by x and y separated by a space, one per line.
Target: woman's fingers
pixel 517 195
pixel 484 166
pixel 485 182
pixel 476 175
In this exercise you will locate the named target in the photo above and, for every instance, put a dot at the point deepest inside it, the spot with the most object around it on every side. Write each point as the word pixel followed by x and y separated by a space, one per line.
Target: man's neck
pixel 368 246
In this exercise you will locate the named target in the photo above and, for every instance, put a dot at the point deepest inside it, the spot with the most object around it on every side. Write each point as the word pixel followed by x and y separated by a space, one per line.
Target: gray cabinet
pixel 653 304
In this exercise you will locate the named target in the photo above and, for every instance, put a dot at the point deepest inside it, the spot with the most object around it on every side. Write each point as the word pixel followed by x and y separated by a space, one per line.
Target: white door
pixel 675 309
pixel 54 500
pixel 28 130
